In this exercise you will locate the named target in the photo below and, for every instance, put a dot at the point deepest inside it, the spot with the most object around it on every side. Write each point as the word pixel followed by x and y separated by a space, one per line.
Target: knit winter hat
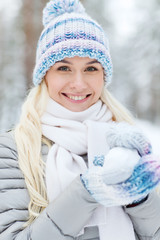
pixel 68 32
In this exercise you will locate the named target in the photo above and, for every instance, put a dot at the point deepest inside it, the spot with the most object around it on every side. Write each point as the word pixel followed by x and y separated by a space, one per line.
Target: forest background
pixel 133 30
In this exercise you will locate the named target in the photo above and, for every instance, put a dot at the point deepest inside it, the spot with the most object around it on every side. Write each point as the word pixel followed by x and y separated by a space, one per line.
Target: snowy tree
pixel 17 51
pixel 32 26
pixel 137 64
pixel 136 61
pixel 147 60
pixel 11 74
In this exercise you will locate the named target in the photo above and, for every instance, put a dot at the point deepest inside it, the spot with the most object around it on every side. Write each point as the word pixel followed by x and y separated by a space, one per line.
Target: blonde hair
pixel 119 112
pixel 28 136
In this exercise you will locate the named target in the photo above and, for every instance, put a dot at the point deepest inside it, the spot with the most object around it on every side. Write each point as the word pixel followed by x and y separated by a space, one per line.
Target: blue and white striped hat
pixel 68 32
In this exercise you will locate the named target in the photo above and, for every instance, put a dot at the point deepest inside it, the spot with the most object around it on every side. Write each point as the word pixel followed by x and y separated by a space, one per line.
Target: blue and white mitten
pixel 128 136
pixel 125 177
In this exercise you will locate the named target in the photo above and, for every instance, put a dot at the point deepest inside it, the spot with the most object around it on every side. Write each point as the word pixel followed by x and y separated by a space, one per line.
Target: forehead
pixel 78 60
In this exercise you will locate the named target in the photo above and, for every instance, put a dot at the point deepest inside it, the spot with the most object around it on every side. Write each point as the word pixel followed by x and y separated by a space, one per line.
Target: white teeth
pixel 77 97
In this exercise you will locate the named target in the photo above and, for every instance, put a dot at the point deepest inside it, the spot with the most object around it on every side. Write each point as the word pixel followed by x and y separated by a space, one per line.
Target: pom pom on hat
pixel 55 8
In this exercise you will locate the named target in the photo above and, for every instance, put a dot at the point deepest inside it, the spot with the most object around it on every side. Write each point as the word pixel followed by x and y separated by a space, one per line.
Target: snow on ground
pixel 153 133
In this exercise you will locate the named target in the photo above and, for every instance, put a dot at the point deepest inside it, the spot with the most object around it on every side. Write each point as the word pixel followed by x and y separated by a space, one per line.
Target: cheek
pixel 52 83
pixel 51 87
pixel 99 86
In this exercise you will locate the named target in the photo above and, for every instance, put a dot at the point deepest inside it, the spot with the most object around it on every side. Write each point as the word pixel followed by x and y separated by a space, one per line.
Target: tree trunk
pixel 32 20
pixel 29 54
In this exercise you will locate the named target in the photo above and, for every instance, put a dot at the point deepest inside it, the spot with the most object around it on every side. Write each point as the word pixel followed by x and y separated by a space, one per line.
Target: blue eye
pixel 91 69
pixel 63 68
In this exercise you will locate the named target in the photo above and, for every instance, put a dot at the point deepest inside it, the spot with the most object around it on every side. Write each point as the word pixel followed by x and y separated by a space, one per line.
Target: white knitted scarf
pixel 75 134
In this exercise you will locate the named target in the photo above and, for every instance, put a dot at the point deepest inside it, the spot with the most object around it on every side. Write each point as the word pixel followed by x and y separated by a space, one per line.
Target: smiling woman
pixel 75 167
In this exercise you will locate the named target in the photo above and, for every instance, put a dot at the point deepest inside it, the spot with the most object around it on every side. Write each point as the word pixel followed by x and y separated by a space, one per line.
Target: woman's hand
pixel 129 171
pixel 145 177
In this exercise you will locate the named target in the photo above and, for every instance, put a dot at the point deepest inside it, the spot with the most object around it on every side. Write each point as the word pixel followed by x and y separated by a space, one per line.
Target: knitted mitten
pixel 124 135
pixel 128 182
pixel 125 142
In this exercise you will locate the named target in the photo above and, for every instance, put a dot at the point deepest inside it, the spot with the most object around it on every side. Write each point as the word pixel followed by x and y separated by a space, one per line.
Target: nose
pixel 78 81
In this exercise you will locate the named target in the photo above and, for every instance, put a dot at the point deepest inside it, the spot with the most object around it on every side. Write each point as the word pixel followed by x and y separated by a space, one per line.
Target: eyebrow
pixel 94 61
pixel 65 61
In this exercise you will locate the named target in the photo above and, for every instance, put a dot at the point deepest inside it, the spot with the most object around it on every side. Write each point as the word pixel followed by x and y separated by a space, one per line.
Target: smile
pixel 77 98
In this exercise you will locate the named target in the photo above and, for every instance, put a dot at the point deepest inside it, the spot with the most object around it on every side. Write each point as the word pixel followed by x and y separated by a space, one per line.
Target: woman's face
pixel 75 83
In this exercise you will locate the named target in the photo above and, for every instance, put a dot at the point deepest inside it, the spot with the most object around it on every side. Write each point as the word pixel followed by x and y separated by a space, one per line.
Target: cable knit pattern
pixel 124 135
pixel 145 176
pixel 68 32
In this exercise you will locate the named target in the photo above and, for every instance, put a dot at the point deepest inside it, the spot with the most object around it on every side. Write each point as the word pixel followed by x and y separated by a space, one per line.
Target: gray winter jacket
pixel 65 217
